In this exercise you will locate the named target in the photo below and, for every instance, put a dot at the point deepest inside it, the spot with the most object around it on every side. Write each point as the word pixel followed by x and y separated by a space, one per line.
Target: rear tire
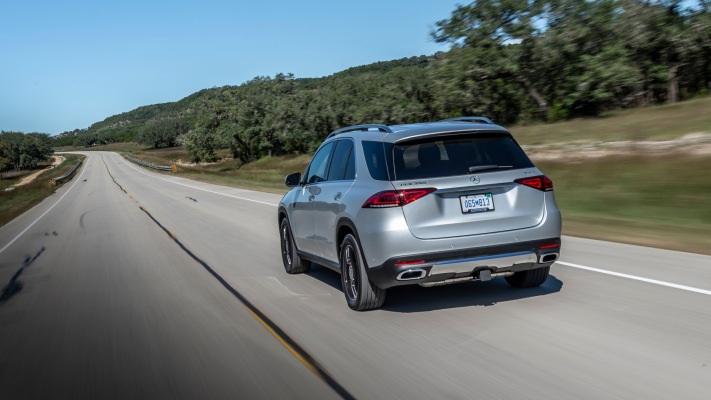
pixel 361 294
pixel 529 278
pixel 293 264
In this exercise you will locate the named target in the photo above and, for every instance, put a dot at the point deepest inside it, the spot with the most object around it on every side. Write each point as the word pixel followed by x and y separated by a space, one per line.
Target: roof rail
pixel 480 120
pixel 364 127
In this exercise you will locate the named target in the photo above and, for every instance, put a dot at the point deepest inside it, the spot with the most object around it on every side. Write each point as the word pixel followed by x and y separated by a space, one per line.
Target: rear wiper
pixel 479 168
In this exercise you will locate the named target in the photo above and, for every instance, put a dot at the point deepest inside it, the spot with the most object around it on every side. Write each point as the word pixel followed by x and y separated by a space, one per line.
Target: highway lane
pixel 113 307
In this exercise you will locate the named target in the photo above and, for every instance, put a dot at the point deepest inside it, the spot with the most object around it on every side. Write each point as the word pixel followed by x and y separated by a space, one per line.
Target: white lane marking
pixel 45 213
pixel 638 278
pixel 197 188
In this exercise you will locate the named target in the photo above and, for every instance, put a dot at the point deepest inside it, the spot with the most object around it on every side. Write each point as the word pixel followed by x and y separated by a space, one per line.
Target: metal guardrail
pixel 66 177
pixel 153 166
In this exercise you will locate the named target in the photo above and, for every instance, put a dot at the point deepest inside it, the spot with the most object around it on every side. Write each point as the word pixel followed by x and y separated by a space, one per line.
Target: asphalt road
pixel 131 284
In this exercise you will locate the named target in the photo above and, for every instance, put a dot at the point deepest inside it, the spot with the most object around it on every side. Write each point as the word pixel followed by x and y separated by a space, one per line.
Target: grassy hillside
pixel 342 96
pixel 659 201
pixel 649 123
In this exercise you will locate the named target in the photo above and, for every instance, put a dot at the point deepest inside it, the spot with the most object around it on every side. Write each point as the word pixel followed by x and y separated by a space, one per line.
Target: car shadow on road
pixel 325 275
pixel 415 298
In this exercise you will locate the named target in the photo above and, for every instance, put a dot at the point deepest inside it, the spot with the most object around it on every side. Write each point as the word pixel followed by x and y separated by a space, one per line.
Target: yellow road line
pixel 291 349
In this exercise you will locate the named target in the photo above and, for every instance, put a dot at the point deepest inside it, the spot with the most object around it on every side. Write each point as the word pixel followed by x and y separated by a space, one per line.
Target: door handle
pixel 312 198
pixel 337 196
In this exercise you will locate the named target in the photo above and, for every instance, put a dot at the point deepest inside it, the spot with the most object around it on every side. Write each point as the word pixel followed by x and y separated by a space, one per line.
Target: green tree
pixel 4 159
pixel 487 32
pixel 162 132
pixel 25 151
pixel 34 148
pixel 86 139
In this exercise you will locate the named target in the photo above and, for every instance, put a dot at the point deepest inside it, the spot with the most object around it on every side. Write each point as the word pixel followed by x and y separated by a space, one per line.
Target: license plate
pixel 477 203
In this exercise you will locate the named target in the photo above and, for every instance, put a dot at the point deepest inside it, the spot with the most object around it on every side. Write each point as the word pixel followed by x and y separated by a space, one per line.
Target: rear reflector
pixel 542 183
pixel 396 198
pixel 415 262
pixel 549 246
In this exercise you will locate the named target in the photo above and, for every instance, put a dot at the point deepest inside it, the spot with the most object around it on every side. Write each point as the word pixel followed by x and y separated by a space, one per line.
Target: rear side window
pixel 457 155
pixel 343 162
pixel 374 153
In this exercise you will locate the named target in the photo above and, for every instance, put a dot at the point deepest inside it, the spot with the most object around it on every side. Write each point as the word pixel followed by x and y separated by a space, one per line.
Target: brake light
pixel 396 198
pixel 542 183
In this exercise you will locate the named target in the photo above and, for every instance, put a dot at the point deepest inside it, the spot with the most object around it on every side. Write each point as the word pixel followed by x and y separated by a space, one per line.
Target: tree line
pixel 21 151
pixel 515 61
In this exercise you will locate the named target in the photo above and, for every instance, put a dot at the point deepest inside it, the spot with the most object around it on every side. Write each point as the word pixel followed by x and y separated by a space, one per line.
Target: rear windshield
pixel 457 155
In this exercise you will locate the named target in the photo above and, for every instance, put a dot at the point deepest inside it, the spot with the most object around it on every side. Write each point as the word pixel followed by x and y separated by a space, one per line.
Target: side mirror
pixel 293 180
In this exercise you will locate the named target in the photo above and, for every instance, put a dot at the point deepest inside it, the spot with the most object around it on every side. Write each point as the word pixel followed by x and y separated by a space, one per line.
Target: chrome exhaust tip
pixel 548 258
pixel 412 274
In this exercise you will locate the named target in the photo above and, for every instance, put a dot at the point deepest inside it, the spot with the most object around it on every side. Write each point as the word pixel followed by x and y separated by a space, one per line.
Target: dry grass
pixel 650 123
pixel 693 239
pixel 653 201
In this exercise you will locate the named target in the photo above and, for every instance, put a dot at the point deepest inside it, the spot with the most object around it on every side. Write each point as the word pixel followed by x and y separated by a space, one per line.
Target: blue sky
pixel 67 64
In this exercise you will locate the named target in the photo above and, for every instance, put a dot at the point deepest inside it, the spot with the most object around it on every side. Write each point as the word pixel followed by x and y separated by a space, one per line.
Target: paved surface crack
pixel 112 177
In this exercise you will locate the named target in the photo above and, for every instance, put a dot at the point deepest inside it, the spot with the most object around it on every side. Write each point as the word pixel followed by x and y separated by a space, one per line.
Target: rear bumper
pixel 482 263
pixel 385 234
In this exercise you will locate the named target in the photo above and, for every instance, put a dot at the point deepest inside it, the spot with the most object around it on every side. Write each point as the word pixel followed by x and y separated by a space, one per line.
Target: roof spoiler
pixel 476 120
pixel 364 127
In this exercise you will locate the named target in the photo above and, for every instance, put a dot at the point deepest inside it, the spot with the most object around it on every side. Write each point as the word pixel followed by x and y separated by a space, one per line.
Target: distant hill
pixel 125 126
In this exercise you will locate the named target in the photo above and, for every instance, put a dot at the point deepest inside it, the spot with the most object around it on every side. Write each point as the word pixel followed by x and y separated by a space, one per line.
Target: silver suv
pixel 428 204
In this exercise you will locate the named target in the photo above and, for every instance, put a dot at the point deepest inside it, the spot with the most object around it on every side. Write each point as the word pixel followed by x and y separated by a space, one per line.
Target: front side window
pixel 319 165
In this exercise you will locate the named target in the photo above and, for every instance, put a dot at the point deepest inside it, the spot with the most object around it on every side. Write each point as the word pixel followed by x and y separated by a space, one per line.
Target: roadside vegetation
pixel 655 198
pixel 21 198
pixel 646 123
pixel 20 151
pixel 652 200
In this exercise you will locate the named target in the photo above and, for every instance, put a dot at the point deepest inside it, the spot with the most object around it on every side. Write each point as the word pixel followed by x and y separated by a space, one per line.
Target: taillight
pixel 542 183
pixel 396 198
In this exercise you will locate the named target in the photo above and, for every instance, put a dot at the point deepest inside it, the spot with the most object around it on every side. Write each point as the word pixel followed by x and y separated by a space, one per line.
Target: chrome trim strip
pixel 447 281
pixel 470 264
pixel 475 188
pixel 463 279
